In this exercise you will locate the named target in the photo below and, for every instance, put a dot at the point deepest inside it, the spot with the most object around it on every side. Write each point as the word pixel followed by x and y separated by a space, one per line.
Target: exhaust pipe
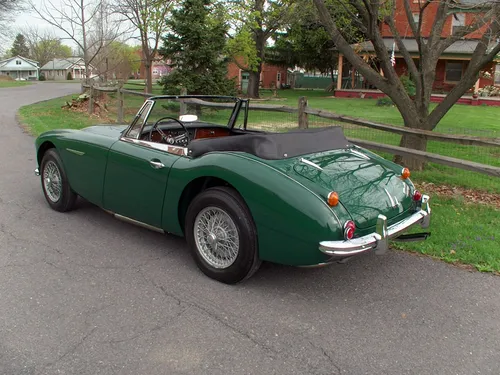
pixel 412 237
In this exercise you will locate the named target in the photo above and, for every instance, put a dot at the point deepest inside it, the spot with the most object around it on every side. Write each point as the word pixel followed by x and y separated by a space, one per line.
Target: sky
pixel 32 19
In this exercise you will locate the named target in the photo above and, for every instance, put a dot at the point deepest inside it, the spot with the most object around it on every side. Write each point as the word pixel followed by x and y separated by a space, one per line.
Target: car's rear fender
pixel 290 219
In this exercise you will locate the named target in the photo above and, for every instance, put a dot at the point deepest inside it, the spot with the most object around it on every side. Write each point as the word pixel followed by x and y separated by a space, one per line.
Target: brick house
pixel 271 76
pixel 452 62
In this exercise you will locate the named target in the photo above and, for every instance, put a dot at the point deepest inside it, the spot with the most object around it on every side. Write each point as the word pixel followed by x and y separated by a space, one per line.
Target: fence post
pixel 183 107
pixel 303 118
pixel 91 99
pixel 120 102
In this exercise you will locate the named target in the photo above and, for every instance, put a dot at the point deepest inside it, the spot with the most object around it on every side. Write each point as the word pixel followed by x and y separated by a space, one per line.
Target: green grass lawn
pixel 461 233
pixel 4 84
pixel 461 119
pixel 48 115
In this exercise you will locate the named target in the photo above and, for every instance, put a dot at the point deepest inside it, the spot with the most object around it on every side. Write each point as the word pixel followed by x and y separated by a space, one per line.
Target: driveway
pixel 83 293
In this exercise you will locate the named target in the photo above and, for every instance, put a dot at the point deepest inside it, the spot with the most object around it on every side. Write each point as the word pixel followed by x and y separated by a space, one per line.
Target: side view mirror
pixel 188 118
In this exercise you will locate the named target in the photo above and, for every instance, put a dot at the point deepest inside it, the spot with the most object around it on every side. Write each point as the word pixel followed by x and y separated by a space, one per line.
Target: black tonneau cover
pixel 274 145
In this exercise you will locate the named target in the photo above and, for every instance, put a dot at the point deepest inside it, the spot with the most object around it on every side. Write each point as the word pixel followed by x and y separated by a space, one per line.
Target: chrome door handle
pixel 156 164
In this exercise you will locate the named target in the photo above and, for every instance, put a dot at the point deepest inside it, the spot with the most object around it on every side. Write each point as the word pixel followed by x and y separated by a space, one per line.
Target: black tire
pixel 247 260
pixel 67 197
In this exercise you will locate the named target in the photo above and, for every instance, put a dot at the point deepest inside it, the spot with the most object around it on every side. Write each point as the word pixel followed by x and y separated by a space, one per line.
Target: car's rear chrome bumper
pixel 379 239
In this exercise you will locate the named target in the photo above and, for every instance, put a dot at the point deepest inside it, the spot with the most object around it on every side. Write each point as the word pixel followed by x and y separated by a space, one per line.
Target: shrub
pixel 408 84
pixel 385 101
pixel 172 106
pixel 41 77
pixel 69 76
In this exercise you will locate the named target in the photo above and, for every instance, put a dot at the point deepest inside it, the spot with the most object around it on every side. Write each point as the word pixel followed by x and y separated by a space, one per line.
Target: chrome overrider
pixel 379 240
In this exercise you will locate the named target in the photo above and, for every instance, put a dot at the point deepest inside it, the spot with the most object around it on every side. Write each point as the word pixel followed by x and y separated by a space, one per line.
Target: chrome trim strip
pixel 138 223
pixel 308 162
pixel 378 240
pixel 356 152
pixel 176 150
pixel 76 152
pixel 390 198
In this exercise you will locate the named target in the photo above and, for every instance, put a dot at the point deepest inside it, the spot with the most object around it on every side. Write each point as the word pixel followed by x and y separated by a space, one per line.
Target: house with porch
pixel 20 68
pixel 451 65
pixel 58 69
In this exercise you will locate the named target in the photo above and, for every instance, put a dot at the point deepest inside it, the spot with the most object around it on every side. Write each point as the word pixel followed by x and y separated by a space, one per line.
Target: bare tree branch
pixel 149 17
pixel 431 45
pixel 86 22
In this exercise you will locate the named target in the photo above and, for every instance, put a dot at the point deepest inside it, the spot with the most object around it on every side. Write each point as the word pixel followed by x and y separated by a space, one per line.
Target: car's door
pixel 136 179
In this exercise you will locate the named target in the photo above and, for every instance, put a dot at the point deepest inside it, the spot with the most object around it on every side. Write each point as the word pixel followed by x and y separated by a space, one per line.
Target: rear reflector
pixel 349 229
pixel 417 196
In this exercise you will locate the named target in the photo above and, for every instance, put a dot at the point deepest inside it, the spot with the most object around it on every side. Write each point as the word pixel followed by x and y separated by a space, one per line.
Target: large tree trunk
pixel 149 76
pixel 259 38
pixel 416 143
pixel 254 83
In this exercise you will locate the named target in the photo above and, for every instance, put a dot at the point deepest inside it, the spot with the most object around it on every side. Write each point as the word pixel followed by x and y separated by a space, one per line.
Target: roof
pixel 460 47
pixel 4 62
pixel 61 64
pixel 473 3
pixel 272 146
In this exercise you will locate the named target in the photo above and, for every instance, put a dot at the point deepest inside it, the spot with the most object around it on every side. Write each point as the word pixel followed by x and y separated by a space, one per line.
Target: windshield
pixel 222 111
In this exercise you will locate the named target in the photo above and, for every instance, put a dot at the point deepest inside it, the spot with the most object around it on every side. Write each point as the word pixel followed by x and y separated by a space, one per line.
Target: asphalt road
pixel 83 293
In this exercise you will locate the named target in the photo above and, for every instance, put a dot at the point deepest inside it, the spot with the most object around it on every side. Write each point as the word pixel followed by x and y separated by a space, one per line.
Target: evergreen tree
pixel 195 47
pixel 19 47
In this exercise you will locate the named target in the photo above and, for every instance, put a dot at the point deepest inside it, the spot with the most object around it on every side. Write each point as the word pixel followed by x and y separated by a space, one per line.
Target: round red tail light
pixel 349 229
pixel 417 196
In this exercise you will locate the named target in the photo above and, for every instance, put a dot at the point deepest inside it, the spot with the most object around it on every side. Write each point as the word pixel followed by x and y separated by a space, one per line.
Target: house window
pixel 416 17
pixel 18 62
pixel 497 75
pixel 278 77
pixel 453 71
pixel 457 22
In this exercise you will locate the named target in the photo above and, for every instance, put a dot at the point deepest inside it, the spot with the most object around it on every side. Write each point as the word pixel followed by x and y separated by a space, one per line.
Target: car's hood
pixel 367 185
pixel 113 131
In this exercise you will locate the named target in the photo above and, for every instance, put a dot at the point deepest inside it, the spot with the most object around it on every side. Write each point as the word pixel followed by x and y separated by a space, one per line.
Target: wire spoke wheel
pixel 221 235
pixel 216 237
pixel 52 181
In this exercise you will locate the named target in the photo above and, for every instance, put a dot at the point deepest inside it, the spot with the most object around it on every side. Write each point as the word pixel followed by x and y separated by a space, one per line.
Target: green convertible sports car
pixel 190 166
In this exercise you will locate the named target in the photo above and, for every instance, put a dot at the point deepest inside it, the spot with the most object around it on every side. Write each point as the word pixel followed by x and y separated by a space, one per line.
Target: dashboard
pixel 176 137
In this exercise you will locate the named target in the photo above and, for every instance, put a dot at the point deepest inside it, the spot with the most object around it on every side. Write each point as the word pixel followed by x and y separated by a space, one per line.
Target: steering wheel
pixel 164 137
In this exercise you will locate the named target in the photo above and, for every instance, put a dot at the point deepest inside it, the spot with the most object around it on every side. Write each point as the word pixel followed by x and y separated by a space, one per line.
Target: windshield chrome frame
pixel 171 149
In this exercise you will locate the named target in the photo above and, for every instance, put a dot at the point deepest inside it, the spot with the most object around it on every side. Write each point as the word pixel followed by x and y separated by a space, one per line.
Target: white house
pixel 19 67
pixel 58 69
